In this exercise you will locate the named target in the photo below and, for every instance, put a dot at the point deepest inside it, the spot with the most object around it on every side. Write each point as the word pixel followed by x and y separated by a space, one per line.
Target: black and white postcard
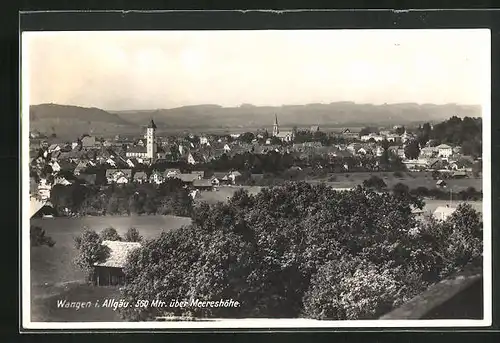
pixel 256 179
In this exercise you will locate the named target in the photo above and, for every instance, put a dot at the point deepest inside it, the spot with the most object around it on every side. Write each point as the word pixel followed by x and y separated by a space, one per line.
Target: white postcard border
pixel 26 322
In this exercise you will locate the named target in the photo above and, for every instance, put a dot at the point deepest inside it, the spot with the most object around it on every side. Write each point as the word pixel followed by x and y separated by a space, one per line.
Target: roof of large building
pixel 137 149
pixel 284 133
pixel 118 252
pixel 186 177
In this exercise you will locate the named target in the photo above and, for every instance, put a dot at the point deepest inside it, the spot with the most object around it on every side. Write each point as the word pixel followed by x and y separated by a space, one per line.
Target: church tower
pixel 276 129
pixel 150 141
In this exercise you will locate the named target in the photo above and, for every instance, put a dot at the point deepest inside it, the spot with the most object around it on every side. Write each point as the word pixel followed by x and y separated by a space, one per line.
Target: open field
pixel 223 193
pixel 44 308
pixel 54 275
pixel 350 180
pixel 411 179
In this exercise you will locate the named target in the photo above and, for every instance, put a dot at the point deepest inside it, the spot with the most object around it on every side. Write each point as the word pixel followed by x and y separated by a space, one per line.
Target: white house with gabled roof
pixel 444 150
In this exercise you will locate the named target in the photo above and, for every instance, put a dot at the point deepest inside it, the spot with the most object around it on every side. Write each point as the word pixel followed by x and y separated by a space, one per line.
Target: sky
pixel 163 69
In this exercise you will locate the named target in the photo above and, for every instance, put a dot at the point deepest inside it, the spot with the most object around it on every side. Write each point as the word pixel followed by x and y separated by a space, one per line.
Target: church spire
pixel 152 124
pixel 276 129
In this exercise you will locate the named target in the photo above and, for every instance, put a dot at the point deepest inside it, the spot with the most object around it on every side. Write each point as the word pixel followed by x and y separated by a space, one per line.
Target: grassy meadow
pixel 54 276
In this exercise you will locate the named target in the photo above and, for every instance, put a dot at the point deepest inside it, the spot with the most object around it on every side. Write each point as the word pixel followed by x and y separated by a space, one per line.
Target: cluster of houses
pixel 124 159
pixel 196 179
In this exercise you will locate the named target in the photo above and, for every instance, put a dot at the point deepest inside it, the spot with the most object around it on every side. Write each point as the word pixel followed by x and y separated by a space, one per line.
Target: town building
pixel 118 175
pixel 444 150
pixel 150 141
pixel 285 136
pixel 375 137
pixel 443 212
pixel 202 184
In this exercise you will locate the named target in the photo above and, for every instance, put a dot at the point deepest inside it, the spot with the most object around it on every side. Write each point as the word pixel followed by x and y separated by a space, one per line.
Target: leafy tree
pixel 112 205
pixel 39 238
pixel 384 158
pixel 90 251
pixel 264 249
pixel 472 148
pixel 247 137
pixel 352 289
pixel 110 234
pixel 374 182
pixel 412 150
pixel 367 130
pixel 400 130
pixel 132 235
pixel 400 189
pixel 275 141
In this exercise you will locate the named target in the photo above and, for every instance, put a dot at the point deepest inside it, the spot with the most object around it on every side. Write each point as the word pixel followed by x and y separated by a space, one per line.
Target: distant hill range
pixel 73 120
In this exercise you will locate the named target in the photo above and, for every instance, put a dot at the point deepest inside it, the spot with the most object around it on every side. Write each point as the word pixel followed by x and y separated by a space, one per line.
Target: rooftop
pixel 118 252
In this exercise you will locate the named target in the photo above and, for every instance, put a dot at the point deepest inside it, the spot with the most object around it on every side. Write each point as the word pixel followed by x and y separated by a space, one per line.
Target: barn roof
pixel 118 252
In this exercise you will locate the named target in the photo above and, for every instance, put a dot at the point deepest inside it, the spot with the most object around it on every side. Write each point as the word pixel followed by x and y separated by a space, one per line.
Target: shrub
pixel 90 251
pixel 397 174
pixel 400 189
pixel 374 182
pixel 132 235
pixel 38 237
pixel 110 234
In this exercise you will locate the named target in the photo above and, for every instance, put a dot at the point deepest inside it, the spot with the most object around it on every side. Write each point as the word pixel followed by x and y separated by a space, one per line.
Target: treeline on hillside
pixel 301 251
pixel 466 132
pixel 169 198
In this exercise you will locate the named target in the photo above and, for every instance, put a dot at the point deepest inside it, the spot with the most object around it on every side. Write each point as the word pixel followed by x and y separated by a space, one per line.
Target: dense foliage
pixel 168 198
pixel 374 182
pixel 110 234
pixel 466 132
pixel 301 250
pixel 412 150
pixel 132 235
pixel 90 251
